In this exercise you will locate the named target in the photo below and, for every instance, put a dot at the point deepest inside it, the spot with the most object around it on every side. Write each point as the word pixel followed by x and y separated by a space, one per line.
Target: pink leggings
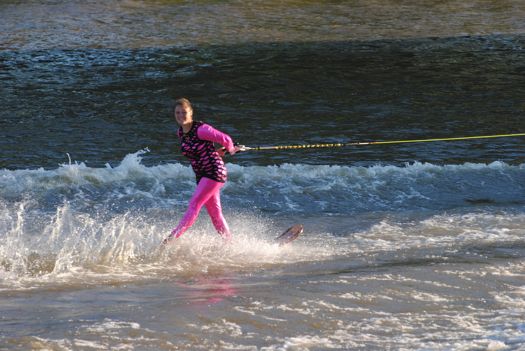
pixel 207 193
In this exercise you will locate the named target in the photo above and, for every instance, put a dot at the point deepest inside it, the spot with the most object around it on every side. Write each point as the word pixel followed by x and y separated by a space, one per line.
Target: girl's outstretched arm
pixel 207 132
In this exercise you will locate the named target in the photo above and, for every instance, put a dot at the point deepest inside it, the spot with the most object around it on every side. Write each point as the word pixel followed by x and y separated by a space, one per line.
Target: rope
pixel 360 143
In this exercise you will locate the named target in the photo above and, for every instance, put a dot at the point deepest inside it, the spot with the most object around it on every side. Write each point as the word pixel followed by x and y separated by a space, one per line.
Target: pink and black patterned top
pixel 198 146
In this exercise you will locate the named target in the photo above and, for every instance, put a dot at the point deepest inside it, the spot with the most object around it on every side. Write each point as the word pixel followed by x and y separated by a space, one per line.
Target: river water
pixel 406 246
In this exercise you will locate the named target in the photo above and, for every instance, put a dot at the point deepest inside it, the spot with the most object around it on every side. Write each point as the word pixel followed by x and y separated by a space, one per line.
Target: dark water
pixel 100 104
pixel 406 246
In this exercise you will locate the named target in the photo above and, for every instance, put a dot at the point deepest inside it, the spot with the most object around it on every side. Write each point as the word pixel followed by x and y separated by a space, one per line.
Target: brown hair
pixel 182 102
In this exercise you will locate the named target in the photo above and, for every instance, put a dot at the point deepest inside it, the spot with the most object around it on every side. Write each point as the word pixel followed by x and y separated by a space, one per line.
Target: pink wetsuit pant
pixel 206 194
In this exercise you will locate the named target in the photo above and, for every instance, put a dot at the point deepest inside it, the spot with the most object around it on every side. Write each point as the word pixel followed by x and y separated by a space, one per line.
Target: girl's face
pixel 183 115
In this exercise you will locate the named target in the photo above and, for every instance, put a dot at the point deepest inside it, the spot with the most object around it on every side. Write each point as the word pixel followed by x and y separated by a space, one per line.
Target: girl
pixel 197 144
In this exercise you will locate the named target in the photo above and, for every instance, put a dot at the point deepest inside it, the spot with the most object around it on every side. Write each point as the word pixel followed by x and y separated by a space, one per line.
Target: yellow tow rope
pixel 359 143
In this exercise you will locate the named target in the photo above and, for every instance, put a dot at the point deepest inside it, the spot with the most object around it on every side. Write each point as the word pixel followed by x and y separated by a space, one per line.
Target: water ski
pixel 290 234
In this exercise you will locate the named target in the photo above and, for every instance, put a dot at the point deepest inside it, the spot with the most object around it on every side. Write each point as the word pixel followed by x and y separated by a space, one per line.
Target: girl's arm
pixel 207 132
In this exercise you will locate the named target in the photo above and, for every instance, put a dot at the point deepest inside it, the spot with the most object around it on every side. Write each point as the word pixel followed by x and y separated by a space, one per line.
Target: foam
pixel 76 248
pixel 289 188
pixel 308 341
pixel 427 297
pixel 224 326
pixel 71 247
pixel 106 224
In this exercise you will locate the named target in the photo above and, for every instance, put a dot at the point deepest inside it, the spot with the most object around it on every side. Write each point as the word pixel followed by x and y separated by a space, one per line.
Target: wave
pixel 82 225
pixel 286 188
pixel 71 249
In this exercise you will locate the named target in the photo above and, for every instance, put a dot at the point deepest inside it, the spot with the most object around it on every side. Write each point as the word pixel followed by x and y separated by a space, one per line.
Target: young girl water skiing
pixel 198 145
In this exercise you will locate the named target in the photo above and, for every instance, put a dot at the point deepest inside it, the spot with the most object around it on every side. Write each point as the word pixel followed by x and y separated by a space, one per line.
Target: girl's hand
pixel 237 149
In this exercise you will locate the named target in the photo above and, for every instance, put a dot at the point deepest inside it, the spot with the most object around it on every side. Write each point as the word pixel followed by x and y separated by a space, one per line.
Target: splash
pixel 72 248
pixel 82 225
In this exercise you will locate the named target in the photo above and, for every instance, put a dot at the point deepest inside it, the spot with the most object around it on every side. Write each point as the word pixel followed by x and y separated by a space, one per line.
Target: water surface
pixel 406 246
